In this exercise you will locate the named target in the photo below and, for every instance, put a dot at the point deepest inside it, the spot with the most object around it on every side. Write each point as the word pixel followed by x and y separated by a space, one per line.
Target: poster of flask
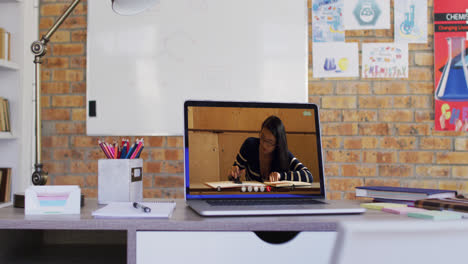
pixel 327 21
pixel 410 21
pixel 335 60
pixel 450 65
pixel 384 60
pixel 367 14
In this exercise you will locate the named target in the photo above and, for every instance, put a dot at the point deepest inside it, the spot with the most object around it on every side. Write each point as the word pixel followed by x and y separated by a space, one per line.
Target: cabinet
pixel 20 18
pixel 231 247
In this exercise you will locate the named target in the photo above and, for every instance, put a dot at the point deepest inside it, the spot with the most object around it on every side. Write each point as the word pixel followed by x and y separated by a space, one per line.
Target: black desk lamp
pixel 39 49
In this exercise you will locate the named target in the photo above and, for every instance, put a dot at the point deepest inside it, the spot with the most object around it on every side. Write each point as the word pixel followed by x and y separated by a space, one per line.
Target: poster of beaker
pixel 410 21
pixel 385 60
pixel 335 60
pixel 367 14
pixel 450 65
pixel 327 21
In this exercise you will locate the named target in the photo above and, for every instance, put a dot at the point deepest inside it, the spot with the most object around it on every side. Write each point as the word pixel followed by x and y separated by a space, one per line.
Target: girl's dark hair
pixel 280 161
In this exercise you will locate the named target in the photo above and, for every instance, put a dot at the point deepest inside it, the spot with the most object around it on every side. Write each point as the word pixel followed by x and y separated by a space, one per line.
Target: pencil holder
pixel 120 180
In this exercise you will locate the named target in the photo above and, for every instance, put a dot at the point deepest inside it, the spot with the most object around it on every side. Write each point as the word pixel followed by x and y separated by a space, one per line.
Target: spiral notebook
pixel 160 209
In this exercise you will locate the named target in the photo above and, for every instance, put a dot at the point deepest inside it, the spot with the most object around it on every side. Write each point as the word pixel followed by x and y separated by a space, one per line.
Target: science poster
pixel 384 60
pixel 410 21
pixel 367 14
pixel 335 60
pixel 327 21
pixel 450 65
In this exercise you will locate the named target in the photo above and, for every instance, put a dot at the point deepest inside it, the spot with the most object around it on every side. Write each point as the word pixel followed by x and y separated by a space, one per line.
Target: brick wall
pixel 374 131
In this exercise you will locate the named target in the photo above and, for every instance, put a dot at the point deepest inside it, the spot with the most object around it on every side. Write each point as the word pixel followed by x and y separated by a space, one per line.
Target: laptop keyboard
pixel 262 202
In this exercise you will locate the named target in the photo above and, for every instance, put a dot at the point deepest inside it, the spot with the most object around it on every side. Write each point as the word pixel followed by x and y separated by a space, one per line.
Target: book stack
pixel 5 44
pixel 458 204
pixel 4 115
pixel 401 194
pixel 5 184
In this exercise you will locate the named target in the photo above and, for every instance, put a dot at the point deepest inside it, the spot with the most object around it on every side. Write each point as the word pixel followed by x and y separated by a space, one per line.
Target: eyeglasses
pixel 267 141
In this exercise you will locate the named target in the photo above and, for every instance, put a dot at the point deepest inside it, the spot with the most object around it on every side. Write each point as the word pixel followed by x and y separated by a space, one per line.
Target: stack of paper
pixel 126 210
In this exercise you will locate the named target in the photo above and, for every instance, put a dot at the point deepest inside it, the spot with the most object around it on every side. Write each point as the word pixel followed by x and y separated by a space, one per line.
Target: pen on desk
pixel 146 209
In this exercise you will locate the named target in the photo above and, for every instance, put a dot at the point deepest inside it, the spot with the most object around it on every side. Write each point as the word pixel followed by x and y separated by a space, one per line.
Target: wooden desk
pixel 107 240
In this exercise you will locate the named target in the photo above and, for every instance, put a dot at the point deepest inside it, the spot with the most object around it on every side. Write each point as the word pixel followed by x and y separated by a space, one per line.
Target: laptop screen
pixel 251 150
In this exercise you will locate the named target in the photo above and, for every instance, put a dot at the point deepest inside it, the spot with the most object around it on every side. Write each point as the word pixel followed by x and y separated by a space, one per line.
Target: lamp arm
pixel 39 49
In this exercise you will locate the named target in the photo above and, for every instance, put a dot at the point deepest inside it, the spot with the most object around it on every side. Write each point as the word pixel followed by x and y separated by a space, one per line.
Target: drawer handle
pixel 276 237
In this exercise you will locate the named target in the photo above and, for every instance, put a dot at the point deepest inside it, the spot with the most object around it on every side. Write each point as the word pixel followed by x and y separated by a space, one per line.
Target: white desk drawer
pixel 231 247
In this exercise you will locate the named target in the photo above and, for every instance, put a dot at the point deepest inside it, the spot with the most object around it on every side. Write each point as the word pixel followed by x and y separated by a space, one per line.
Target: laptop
pixel 229 146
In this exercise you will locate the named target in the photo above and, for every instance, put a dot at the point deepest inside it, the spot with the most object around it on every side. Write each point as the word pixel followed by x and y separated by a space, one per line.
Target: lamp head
pixel 131 7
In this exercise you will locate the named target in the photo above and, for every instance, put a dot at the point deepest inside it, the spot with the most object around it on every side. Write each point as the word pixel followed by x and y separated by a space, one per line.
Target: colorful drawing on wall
pixel 327 21
pixel 451 65
pixel 335 59
pixel 410 21
pixel 367 14
pixel 384 60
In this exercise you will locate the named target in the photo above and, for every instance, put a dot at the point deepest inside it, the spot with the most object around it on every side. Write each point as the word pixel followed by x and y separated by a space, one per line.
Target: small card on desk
pixel 54 199
pixel 161 209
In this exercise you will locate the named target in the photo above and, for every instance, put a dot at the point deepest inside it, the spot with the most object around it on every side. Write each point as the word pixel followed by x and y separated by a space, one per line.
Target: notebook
pixel 127 210
pixel 219 135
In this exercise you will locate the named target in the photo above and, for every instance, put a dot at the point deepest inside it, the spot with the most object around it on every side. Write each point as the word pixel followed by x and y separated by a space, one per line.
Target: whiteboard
pixel 141 69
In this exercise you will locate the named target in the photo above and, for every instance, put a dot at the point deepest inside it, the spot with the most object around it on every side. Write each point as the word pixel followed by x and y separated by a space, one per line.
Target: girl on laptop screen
pixel 267 158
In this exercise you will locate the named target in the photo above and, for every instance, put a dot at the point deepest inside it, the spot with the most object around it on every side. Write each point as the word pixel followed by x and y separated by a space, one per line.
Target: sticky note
pixel 379 206
pixel 402 210
pixel 435 215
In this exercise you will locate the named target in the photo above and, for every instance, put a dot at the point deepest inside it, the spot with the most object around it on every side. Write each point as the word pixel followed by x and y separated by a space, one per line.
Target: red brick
pixel 428 184
pixel 342 156
pixel 377 129
pixel 68 101
pixel 55 88
pixel 168 181
pixel 89 192
pixel 421 88
pixel 460 171
pixel 332 170
pixel 376 102
pixel 69 180
pixel 416 157
pixel 452 158
pixel 68 49
pixel 83 167
pixel 433 171
pixel 382 182
pixel 412 129
pixel 78 62
pixel 424 58
pixel 359 170
pixel 175 167
pixel 394 87
pixel 153 167
pixel 360 143
pixel 398 142
pixel 56 62
pixel 79 36
pixel 320 88
pixel 396 115
pixel 331 142
pixel 395 170
pixel 379 157
pixel 79 114
pixel 461 144
pixel 55 114
pixel 70 128
pixel 91 181
pixel 344 184
pixel 155 141
pixel 54 167
pixel 334 195
pixel 420 74
pixel 354 87
pixel 436 143
pixel 341 129
pixel 56 9
pixel 84 141
pixel 175 142
pixel 68 75
pixel 359 116
pixel 334 102
pixel 74 22
pixel 330 115
pixel 54 141
pixel 173 154
pixel 78 87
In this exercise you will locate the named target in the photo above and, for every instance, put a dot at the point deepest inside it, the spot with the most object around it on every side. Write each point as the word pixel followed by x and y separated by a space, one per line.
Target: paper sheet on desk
pixel 126 210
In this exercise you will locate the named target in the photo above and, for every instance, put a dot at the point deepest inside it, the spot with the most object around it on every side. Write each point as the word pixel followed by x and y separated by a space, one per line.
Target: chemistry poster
pixel 410 21
pixel 367 14
pixel 384 60
pixel 335 59
pixel 450 65
pixel 327 21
